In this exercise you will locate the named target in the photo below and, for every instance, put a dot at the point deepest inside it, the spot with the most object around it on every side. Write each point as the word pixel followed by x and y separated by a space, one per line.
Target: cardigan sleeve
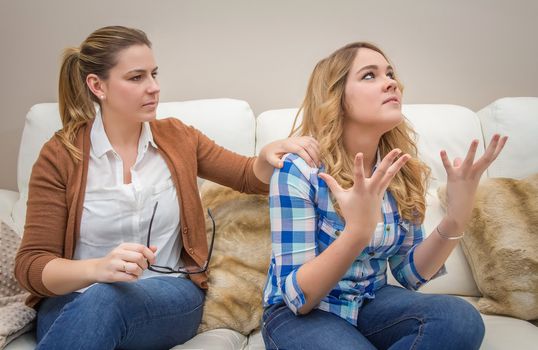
pixel 218 164
pixel 46 218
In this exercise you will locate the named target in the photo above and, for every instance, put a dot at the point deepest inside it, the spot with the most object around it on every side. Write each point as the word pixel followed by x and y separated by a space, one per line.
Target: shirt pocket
pixel 327 232
pixel 162 186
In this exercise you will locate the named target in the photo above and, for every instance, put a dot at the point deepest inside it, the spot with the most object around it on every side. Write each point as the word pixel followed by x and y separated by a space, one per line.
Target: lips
pixel 391 99
pixel 150 104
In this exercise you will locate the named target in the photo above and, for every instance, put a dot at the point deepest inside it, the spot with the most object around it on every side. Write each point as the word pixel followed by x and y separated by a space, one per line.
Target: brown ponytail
pixel 96 55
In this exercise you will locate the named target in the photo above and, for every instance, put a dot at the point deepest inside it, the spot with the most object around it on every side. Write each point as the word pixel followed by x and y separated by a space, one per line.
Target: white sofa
pixel 233 124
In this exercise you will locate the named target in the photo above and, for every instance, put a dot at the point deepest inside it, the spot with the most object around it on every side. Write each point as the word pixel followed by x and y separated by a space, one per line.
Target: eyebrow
pixel 140 70
pixel 374 67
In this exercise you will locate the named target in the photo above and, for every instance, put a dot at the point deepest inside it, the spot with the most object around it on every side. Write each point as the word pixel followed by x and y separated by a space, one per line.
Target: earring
pixel 102 97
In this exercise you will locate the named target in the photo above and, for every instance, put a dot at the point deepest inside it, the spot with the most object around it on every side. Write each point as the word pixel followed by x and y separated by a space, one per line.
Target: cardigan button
pixel 185 230
pixel 191 250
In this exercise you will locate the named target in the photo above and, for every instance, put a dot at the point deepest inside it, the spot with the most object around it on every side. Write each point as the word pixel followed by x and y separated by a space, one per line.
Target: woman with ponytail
pixel 337 227
pixel 105 265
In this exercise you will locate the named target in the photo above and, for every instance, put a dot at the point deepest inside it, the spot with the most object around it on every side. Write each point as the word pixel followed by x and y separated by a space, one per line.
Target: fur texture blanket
pixel 501 246
pixel 240 260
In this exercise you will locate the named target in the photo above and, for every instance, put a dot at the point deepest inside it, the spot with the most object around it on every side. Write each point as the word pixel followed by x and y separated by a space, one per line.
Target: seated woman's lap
pixel 318 329
pixel 398 318
pixel 161 309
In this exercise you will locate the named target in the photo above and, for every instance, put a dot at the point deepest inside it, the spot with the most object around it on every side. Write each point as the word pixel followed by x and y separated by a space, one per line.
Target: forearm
pixel 63 276
pixel 317 277
pixel 431 254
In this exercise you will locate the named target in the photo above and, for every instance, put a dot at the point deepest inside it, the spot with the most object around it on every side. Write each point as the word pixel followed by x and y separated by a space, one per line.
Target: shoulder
pixel 167 123
pixel 295 164
pixel 296 172
pixel 170 128
pixel 54 150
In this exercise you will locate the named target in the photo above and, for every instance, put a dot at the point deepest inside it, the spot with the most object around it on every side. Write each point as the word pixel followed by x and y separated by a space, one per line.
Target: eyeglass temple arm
pixel 212 238
pixel 151 222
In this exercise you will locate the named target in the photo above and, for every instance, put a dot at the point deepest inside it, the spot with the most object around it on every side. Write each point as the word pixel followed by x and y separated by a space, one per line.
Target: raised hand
pixel 361 204
pixel 305 147
pixel 124 263
pixel 463 178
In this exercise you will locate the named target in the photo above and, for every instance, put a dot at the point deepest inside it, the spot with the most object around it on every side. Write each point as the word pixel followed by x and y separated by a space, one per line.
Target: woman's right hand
pixel 360 204
pixel 124 263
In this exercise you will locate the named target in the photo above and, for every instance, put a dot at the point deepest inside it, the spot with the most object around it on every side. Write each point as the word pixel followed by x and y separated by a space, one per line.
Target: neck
pixel 366 141
pixel 122 134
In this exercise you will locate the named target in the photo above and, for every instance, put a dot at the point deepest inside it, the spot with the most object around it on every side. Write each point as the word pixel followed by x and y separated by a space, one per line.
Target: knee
pixel 460 321
pixel 105 296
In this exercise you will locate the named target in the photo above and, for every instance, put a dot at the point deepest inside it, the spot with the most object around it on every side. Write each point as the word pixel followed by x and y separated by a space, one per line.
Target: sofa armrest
pixel 7 201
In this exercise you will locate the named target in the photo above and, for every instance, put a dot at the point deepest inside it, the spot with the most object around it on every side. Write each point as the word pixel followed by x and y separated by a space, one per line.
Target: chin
pixel 148 117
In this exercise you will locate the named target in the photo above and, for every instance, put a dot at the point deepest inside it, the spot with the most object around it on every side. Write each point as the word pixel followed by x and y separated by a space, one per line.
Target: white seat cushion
pixel 255 341
pixel 24 342
pixel 216 339
pixel 504 332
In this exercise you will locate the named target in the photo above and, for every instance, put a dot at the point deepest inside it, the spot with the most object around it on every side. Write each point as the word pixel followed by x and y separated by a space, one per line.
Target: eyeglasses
pixel 182 269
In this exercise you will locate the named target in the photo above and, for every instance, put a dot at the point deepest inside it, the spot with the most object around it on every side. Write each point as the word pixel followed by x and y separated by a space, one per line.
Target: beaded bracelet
pixel 445 236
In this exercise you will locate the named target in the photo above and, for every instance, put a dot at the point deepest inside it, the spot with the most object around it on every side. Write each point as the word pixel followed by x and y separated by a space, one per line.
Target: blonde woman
pixel 336 227
pixel 106 267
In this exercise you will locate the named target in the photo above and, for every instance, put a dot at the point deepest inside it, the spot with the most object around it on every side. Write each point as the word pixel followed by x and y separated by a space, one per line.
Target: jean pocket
pixel 273 313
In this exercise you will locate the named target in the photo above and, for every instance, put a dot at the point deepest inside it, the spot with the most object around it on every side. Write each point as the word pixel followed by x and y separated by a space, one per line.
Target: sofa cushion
pixel 501 245
pixel 240 259
pixel 516 117
pixel 229 122
pixel 506 332
pixel 216 339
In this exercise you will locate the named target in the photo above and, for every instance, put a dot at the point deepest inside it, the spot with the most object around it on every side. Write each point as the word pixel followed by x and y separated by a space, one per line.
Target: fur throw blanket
pixel 240 259
pixel 501 246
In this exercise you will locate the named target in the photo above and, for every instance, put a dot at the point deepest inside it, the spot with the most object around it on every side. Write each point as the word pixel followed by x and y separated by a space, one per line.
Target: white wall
pixel 463 52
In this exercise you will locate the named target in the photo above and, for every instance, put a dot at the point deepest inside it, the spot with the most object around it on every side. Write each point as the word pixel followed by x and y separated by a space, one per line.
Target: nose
pixel 390 84
pixel 154 87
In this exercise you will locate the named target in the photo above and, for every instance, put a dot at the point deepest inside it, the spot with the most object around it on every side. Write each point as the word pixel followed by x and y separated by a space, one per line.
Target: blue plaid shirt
pixel 304 223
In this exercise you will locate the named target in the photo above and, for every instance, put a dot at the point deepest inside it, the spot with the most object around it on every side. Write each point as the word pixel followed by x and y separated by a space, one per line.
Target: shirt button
pixel 371 253
pixel 388 228
pixel 337 233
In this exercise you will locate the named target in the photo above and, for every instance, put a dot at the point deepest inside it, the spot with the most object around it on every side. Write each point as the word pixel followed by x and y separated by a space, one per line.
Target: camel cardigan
pixel 58 183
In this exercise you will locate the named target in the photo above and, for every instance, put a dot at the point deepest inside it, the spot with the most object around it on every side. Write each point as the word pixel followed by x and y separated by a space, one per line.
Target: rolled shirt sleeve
pixel 402 263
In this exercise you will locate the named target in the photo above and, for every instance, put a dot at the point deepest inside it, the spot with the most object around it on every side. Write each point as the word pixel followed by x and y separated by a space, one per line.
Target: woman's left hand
pixel 463 178
pixel 305 147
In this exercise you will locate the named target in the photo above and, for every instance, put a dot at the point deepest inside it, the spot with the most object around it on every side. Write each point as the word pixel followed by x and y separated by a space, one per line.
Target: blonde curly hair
pixel 323 112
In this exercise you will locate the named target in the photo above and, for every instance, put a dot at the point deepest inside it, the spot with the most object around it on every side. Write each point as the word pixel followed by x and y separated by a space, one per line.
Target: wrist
pixel 449 228
pixel 91 268
pixel 355 237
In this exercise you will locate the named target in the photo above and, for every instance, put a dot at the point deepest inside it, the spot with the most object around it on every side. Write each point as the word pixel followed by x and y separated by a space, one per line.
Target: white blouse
pixel 114 212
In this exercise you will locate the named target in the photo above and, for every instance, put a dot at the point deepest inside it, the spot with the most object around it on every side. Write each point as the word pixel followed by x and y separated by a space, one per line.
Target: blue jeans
pixel 396 319
pixel 153 313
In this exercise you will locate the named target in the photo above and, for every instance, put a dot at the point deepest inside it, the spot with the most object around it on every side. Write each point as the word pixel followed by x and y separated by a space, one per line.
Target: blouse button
pixel 371 253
